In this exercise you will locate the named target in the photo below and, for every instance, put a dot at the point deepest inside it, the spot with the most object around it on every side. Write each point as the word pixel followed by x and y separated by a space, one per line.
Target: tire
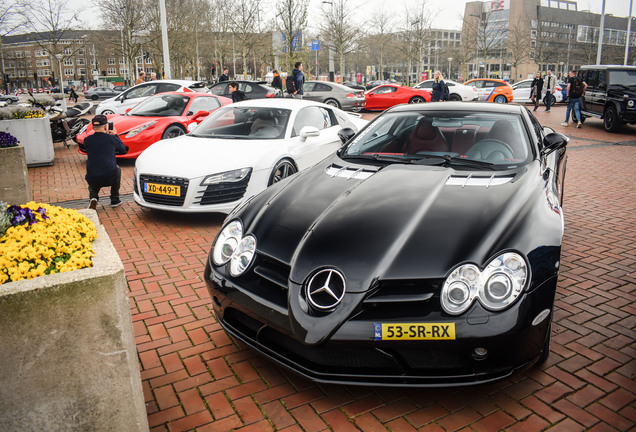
pixel 333 103
pixel 106 112
pixel 455 97
pixel 94 97
pixel 417 99
pixel 172 131
pixel 611 122
pixel 283 169
pixel 500 99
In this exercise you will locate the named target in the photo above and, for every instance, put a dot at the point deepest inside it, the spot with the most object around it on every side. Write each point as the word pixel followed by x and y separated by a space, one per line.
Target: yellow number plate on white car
pixel 415 331
pixel 160 189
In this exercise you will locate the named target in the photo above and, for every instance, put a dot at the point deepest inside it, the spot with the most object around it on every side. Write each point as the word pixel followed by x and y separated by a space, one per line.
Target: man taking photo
pixel 101 165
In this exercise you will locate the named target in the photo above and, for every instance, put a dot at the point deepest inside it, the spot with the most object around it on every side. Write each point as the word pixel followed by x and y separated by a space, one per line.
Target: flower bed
pixel 40 239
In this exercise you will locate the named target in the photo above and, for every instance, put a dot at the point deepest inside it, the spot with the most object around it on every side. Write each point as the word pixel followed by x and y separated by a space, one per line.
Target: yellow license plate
pixel 160 189
pixel 415 331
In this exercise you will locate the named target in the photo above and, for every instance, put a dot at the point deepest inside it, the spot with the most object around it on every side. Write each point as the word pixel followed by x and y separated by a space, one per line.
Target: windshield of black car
pixel 622 77
pixel 498 139
pixel 162 105
pixel 245 123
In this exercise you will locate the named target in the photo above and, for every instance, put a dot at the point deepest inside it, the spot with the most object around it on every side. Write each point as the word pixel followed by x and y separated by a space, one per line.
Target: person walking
pixel 576 89
pixel 237 95
pixel 101 164
pixel 537 87
pixel 299 80
pixel 277 82
pixel 550 88
pixel 225 76
pixel 440 90
pixel 142 78
pixel 72 95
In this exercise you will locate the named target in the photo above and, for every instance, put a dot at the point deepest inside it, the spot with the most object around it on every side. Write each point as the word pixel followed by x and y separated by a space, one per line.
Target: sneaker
pixel 114 204
pixel 579 125
pixel 535 108
pixel 93 204
pixel 564 124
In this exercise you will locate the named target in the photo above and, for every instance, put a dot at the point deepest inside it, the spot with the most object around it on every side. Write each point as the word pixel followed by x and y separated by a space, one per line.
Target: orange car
pixel 492 90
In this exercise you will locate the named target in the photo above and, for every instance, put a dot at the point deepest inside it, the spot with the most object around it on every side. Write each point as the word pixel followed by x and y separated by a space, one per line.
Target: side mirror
pixel 346 134
pixel 553 142
pixel 308 132
pixel 199 115
pixel 128 110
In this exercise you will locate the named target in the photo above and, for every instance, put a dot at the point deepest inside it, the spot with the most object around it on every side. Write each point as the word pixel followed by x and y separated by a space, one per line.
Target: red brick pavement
pixel 195 377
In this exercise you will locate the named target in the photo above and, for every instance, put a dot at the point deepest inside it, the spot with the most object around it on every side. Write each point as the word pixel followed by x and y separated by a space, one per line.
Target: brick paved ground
pixel 196 377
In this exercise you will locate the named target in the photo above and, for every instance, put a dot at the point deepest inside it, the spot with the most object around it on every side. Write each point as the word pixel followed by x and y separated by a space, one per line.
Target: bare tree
pixel 339 30
pixel 518 46
pixel 291 19
pixel 485 34
pixel 245 25
pixel 414 34
pixel 382 38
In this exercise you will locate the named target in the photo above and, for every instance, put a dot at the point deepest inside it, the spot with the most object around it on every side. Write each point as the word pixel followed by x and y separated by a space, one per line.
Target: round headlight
pixel 227 243
pixel 505 277
pixel 459 289
pixel 242 257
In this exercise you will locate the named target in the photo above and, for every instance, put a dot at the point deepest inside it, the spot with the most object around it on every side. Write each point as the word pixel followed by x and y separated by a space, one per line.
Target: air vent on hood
pixel 349 172
pixel 479 181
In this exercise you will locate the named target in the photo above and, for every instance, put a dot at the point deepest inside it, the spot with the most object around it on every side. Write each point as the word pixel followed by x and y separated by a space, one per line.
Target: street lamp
pixel 450 59
pixel 59 57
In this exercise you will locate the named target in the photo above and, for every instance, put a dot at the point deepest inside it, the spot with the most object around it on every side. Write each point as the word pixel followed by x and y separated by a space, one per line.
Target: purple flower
pixel 8 140
pixel 20 215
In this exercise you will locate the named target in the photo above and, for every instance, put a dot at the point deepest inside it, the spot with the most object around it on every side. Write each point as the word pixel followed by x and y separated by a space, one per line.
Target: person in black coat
pixel 225 76
pixel 277 82
pixel 536 86
pixel 237 95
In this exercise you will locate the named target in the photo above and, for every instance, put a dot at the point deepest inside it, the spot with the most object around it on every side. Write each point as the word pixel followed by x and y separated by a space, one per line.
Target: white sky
pixel 448 12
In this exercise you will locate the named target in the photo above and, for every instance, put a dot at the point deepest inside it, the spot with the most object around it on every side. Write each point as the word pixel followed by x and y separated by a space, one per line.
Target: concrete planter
pixel 35 136
pixel 14 176
pixel 68 355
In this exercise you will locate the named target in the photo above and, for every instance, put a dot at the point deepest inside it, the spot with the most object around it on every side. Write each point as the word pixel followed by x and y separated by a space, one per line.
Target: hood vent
pixel 479 181
pixel 349 172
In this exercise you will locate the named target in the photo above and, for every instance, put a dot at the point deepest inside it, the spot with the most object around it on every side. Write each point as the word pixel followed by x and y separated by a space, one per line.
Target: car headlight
pixel 496 287
pixel 232 247
pixel 228 176
pixel 135 131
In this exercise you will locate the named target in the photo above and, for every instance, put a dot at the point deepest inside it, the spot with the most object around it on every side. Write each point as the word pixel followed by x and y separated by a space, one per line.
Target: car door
pixel 310 93
pixel 521 91
pixel 221 89
pixel 382 97
pixel 312 150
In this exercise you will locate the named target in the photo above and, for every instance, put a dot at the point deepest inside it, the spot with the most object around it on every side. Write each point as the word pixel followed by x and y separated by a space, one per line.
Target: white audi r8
pixel 237 152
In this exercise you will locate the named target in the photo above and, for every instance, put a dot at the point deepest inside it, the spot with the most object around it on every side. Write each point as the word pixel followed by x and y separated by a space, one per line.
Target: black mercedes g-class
pixel 610 94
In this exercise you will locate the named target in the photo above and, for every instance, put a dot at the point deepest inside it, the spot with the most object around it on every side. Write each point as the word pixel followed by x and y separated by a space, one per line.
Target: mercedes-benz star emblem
pixel 326 289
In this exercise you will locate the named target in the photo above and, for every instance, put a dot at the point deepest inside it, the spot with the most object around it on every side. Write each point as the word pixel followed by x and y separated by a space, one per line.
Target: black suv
pixel 610 95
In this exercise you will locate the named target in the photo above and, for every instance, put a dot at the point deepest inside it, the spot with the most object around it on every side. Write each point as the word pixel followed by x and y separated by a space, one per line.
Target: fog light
pixel 480 353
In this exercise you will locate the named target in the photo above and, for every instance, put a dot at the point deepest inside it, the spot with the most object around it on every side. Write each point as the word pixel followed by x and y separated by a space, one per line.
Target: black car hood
pixel 402 222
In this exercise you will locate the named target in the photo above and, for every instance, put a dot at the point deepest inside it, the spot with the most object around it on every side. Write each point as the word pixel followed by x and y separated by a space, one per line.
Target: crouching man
pixel 101 165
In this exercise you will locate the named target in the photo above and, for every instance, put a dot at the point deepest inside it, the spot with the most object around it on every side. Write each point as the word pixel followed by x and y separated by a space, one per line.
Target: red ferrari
pixel 388 95
pixel 161 116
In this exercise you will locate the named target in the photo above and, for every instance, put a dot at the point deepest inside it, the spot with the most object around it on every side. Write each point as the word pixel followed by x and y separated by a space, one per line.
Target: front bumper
pixel 351 355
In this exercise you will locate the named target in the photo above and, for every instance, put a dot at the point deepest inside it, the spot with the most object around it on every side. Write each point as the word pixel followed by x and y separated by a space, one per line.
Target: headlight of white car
pixel 228 176
pixel 496 287
pixel 135 131
pixel 232 247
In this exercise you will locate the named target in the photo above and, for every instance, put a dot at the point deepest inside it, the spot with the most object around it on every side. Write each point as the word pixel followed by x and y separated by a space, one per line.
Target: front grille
pixel 164 180
pixel 221 193
pixel 401 299
pixel 268 280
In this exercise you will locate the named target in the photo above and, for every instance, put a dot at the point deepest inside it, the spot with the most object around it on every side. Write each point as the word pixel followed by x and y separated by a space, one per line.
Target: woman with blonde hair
pixel 440 90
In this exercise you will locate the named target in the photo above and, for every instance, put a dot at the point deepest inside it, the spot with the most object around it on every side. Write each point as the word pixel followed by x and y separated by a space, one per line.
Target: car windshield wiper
pixel 454 160
pixel 380 158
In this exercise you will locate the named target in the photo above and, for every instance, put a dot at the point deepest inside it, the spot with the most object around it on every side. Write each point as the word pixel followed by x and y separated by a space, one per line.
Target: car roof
pixel 288 103
pixel 460 107
pixel 488 79
pixel 336 85
pixel 613 67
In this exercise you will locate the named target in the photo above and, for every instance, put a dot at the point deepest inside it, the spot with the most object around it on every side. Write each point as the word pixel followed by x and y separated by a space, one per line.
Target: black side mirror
pixel 553 142
pixel 346 134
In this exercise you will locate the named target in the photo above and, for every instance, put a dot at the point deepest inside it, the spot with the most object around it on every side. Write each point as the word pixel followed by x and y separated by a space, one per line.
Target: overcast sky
pixel 448 13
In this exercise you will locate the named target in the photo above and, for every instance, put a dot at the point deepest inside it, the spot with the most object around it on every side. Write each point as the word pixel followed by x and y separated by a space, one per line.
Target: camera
pixel 110 125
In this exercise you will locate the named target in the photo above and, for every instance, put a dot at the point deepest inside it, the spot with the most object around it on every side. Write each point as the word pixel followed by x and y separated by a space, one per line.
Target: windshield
pixel 622 77
pixel 490 139
pixel 163 105
pixel 245 123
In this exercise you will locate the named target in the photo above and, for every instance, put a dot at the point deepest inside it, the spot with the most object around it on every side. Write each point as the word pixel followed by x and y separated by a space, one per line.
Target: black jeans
pixel 95 185
pixel 549 100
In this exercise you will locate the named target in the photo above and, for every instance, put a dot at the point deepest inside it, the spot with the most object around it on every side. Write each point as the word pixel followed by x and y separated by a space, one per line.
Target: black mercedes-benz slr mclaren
pixel 424 252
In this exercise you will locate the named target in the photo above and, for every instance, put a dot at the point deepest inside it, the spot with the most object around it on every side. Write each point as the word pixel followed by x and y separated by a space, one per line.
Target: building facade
pixel 513 39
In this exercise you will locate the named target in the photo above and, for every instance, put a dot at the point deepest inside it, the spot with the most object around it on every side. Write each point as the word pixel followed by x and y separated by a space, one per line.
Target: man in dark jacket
pixel 225 76
pixel 299 79
pixel 237 95
pixel 101 165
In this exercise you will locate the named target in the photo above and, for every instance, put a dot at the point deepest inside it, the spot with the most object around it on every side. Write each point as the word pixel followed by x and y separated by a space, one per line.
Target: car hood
pixel 192 157
pixel 402 222
pixel 125 123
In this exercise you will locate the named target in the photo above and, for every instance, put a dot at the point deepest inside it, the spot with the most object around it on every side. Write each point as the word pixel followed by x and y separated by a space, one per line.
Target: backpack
pixel 445 92
pixel 290 82
pixel 576 90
